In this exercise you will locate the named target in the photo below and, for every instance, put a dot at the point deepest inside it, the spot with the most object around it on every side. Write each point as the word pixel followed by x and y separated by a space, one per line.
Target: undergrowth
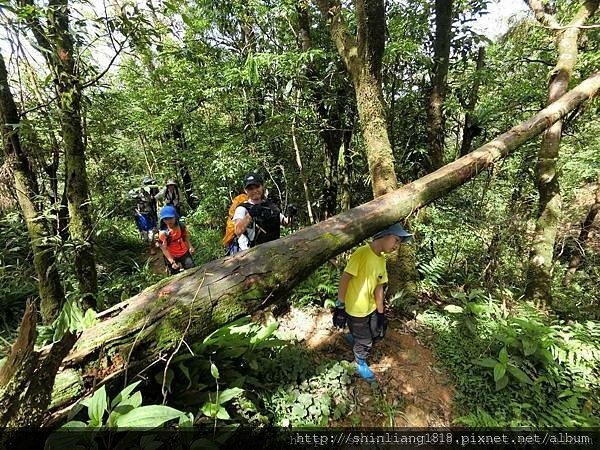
pixel 519 368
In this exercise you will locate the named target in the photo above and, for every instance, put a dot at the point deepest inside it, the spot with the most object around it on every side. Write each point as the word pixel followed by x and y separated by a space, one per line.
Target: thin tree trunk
pixel 298 158
pixel 550 203
pixel 143 329
pixel 186 177
pixel 471 129
pixel 437 95
pixel 49 285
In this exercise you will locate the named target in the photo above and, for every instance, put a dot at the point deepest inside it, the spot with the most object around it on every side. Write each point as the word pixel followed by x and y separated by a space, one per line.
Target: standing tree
pixel 437 94
pixel 550 203
pixel 57 47
pixel 362 56
pixel 26 185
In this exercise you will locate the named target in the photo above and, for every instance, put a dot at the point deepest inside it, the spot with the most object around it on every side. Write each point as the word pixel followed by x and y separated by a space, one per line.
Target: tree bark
pixel 541 255
pixel 49 284
pixel 58 50
pixel 26 380
pixel 363 56
pixel 471 129
pixel 186 177
pixel 441 61
pixel 144 329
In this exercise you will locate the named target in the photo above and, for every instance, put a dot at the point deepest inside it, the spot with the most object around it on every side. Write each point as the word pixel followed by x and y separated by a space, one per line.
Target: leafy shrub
pixel 518 369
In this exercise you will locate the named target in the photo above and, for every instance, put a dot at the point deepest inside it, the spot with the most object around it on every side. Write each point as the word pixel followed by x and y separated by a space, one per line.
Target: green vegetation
pixel 204 92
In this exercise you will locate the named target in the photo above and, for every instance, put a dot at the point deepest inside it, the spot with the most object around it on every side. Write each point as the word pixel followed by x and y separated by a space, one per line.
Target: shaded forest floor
pixel 411 391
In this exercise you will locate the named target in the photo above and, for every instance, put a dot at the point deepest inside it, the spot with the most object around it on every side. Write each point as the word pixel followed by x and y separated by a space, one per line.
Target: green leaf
pixel 503 355
pixel 264 333
pixel 499 371
pixel 74 424
pixel 486 362
pixel 519 374
pixel 222 414
pixel 529 347
pixel 124 394
pixel 210 409
pixel 453 309
pixel 501 383
pixel 98 405
pixel 299 411
pixel 214 371
pixel 228 394
pixel 150 416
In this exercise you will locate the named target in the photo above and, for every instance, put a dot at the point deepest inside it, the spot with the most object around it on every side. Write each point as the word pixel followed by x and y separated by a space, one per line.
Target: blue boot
pixel 364 371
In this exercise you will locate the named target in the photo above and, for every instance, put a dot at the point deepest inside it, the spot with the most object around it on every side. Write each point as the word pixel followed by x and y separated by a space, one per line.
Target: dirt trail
pixel 411 390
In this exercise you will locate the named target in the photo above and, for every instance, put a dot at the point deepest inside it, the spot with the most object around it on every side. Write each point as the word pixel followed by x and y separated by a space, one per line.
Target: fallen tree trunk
pixel 145 329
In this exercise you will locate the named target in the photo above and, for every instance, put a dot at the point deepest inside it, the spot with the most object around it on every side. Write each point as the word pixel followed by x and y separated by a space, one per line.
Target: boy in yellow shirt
pixel 361 294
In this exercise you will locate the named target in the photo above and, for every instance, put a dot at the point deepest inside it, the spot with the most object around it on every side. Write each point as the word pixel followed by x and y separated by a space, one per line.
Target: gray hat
pixel 170 181
pixel 395 230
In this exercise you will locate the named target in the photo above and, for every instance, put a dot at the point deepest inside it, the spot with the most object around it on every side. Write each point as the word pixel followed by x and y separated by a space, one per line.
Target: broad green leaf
pixel 503 355
pixel 519 374
pixel 210 409
pixel 98 405
pixel 529 347
pixel 299 411
pixel 264 333
pixel 501 384
pixel 499 371
pixel 228 394
pixel 222 414
pixel 124 394
pixel 453 309
pixel 74 424
pixel 150 416
pixel 486 362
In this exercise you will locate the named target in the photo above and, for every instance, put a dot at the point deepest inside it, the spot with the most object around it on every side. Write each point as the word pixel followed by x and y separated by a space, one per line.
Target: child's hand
pixel 192 250
pixel 175 265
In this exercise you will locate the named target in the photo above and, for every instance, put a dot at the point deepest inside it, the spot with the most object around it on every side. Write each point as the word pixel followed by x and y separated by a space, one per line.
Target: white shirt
pixel 246 238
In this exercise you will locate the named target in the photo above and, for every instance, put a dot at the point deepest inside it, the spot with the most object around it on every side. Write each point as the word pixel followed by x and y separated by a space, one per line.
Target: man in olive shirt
pixel 361 294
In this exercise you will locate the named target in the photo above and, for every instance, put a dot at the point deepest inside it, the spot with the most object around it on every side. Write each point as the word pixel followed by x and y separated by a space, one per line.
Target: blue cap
pixel 168 211
pixel 395 230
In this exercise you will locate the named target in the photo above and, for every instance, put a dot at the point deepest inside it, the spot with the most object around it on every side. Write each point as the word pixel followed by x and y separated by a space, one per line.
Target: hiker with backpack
pixel 174 241
pixel 253 218
pixel 145 210
pixel 170 195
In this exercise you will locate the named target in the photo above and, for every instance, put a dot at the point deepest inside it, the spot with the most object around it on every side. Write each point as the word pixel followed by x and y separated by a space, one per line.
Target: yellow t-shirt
pixel 368 270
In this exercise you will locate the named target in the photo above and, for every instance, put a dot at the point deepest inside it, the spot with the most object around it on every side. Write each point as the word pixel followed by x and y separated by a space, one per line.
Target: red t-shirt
pixel 176 243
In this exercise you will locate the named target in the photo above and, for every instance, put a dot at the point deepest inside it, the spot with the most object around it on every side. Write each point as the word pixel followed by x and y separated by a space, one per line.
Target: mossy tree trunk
pixel 541 255
pixel 439 74
pixel 362 55
pixel 26 186
pixel 138 332
pixel 57 47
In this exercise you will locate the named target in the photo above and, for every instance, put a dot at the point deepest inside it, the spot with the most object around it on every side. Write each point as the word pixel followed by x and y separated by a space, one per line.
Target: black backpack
pixel 266 220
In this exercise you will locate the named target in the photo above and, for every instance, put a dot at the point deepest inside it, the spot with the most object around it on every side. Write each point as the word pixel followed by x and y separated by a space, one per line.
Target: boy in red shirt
pixel 174 241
